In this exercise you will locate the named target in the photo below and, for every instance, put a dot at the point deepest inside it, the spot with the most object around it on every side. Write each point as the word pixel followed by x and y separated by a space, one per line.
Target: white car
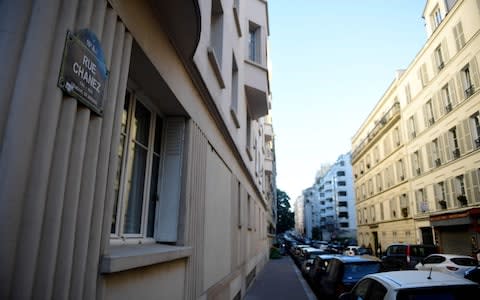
pixel 448 263
pixel 412 285
pixel 351 250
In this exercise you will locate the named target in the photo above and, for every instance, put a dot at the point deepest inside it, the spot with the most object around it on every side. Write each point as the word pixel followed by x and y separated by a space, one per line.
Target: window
pixel 236 15
pixel 342 193
pixel 435 148
pixel 138 203
pixel 341 183
pixel 439 58
pixel 234 91
pixel 216 29
pixel 416 163
pixel 447 99
pixel 458 35
pixel 378 179
pixel 376 154
pixel 467 81
pixel 453 142
pixel 370 187
pixel 340 173
pixel 428 113
pixel 412 127
pixel 249 136
pixel 422 204
pixel 404 205
pixel 254 42
pixel 400 170
pixel 475 128
pixel 440 195
pixel 396 136
pixel 393 208
pixel 382 213
pixel 436 17
pixel 459 190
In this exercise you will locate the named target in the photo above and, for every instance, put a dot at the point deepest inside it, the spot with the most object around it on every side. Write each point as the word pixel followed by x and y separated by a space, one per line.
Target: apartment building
pixel 336 196
pixel 136 156
pixel 416 157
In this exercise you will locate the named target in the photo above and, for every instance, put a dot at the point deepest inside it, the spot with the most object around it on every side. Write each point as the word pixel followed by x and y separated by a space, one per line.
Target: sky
pixel 331 63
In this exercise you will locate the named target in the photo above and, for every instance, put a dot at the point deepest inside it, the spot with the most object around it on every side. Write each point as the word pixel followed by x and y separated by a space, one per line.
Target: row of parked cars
pixel 405 271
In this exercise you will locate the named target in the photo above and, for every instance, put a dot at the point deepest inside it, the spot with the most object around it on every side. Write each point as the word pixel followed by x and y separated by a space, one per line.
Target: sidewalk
pixel 280 279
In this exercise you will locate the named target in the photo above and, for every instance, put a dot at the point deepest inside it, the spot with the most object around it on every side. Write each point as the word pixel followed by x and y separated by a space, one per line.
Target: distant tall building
pixel 136 149
pixel 416 158
pixel 328 207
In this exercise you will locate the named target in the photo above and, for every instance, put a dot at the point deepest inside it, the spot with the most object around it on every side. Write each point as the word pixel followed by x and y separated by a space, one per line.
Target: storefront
pixel 457 232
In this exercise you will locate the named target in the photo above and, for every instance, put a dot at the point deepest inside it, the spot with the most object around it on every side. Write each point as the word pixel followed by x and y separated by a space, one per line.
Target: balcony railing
pixel 393 112
pixel 469 91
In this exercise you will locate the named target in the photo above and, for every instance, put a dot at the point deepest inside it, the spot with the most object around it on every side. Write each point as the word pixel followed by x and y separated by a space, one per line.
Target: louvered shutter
pixel 434 62
pixel 474 73
pixel 447 147
pixel 460 87
pixel 467 140
pixel 453 92
pixel 441 149
pixel 474 193
pixel 420 160
pixel 448 192
pixel 444 47
pixel 425 115
pixel 429 155
pixel 171 178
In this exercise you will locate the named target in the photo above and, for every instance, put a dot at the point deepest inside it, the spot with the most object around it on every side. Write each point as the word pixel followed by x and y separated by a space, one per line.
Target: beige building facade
pixel 137 157
pixel 416 158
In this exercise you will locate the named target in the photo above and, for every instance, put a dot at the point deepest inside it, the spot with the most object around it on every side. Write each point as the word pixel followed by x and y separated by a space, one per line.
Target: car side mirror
pixel 346 296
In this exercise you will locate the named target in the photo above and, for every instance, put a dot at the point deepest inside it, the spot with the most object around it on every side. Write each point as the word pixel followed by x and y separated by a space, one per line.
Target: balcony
pixel 256 89
pixel 392 114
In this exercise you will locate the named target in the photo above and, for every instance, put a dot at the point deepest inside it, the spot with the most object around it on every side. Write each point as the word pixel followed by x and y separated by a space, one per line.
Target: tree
pixel 285 217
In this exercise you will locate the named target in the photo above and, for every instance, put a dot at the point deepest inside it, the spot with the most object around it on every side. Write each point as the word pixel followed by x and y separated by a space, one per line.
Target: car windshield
pixel 355 271
pixel 439 293
pixel 464 261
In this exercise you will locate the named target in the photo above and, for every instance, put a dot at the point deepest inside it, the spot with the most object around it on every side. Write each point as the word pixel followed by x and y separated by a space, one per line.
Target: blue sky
pixel 331 63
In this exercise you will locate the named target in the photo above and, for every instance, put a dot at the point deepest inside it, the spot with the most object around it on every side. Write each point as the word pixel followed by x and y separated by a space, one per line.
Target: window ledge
pixel 256 64
pixel 212 57
pixel 126 257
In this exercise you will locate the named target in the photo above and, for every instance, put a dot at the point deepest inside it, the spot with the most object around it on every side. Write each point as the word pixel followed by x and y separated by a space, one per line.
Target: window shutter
pixel 461 37
pixel 429 155
pixel 468 139
pixel 447 149
pixel 455 36
pixel 453 93
pixel 473 185
pixel 441 149
pixel 449 191
pixel 460 87
pixel 444 48
pixel 420 160
pixel 438 106
pixel 425 115
pixel 171 181
pixel 434 62
pixel 474 73
pixel 412 159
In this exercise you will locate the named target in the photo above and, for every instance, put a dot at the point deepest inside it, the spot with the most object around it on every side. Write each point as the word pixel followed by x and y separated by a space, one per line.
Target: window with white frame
pixel 396 136
pixel 475 128
pixel 467 83
pixel 435 148
pixel 440 63
pixel 411 127
pixel 459 190
pixel 416 163
pixel 453 142
pixel 379 182
pixel 422 204
pixel 254 42
pixel 429 116
pixel 436 17
pixel 393 208
pixel 145 140
pixel 447 98
pixel 400 170
pixel 441 195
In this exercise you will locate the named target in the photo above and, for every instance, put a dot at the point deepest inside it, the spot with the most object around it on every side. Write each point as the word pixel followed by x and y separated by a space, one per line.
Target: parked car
pixel 322 245
pixel 448 263
pixel 405 256
pixel 306 259
pixel 343 272
pixel 412 285
pixel 319 268
pixel 473 274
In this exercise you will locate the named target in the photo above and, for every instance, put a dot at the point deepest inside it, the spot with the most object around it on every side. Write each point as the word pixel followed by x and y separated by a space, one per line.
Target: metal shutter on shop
pixel 456 241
